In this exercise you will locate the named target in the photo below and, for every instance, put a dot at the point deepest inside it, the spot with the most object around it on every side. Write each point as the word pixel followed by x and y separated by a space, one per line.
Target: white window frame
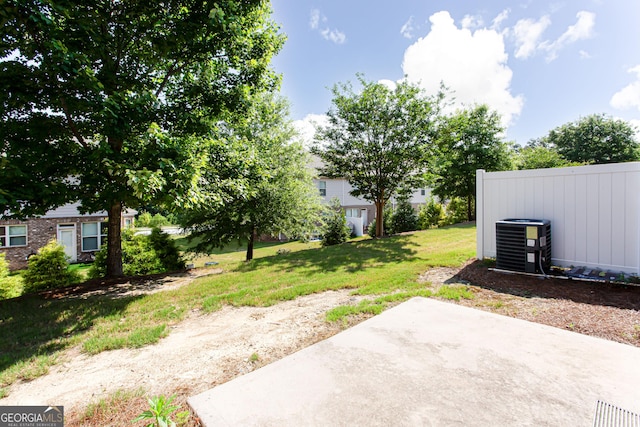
pixel 5 239
pixel 347 211
pixel 101 237
pixel 322 188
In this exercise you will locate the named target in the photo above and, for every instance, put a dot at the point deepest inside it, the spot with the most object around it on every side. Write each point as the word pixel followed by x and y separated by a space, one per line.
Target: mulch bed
pixel 605 310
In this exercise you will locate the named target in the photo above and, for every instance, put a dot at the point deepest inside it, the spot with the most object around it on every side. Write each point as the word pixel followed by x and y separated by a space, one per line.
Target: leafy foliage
pixel 468 140
pixel 142 254
pixel 456 210
pixel 160 410
pixel 118 94
pixel 404 217
pixel 431 214
pixel 48 269
pixel 595 139
pixel 256 181
pixel 540 157
pixel 335 230
pixel 145 219
pixel 4 266
pixel 377 139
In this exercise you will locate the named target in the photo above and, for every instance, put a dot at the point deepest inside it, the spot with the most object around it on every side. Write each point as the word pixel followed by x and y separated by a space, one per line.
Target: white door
pixel 67 238
pixel 365 220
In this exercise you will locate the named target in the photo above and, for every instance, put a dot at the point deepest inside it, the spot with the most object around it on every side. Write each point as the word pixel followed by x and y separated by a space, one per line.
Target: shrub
pixel 158 220
pixel 371 229
pixel 336 230
pixel 456 210
pixel 404 218
pixel 4 266
pixel 48 269
pixel 10 286
pixel 144 219
pixel 431 215
pixel 141 254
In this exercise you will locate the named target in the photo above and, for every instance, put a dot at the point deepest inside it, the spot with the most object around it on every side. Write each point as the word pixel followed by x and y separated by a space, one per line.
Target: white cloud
pixel 472 22
pixel 316 18
pixel 581 30
pixel 473 64
pixel 408 28
pixel 336 36
pixel 307 127
pixel 390 84
pixel 528 33
pixel 628 96
pixel 584 54
pixel 496 24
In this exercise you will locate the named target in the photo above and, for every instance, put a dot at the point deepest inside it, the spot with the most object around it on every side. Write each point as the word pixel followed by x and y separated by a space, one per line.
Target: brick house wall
pixel 39 232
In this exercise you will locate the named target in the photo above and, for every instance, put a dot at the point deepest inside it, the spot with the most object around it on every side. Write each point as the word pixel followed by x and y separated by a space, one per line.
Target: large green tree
pixel 257 181
pixel 595 139
pixel 104 101
pixel 467 140
pixel 377 139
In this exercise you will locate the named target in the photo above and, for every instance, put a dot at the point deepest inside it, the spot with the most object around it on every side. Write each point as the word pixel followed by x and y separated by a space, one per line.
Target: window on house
pixel 128 222
pixel 352 213
pixel 322 187
pixel 13 235
pixel 94 235
pixel 423 192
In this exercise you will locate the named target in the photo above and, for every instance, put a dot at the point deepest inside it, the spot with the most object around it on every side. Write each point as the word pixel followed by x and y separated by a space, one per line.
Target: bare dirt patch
pixel 209 349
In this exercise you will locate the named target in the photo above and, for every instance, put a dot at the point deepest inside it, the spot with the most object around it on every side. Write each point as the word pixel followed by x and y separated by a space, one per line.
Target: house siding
pixel 43 229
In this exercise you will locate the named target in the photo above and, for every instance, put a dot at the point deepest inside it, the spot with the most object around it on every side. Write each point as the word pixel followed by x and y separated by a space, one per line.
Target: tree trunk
pixel 114 241
pixel 252 237
pixel 379 218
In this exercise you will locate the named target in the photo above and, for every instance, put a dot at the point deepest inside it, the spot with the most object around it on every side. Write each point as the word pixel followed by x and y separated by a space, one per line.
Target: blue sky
pixel 539 63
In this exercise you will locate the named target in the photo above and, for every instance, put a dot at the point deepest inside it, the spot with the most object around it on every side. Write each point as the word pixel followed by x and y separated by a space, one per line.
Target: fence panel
pixel 594 211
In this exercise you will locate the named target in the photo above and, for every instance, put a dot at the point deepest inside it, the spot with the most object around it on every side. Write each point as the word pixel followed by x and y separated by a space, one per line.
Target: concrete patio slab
pixel 431 363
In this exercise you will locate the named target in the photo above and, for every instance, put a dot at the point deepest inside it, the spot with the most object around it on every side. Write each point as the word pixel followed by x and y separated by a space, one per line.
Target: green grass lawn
pixel 35 331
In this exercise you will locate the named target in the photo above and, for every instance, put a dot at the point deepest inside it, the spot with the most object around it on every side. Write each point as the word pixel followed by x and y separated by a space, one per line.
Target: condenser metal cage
pixel 523 245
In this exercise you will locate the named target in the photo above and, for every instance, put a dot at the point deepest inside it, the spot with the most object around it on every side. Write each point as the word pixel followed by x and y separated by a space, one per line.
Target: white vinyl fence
pixel 594 212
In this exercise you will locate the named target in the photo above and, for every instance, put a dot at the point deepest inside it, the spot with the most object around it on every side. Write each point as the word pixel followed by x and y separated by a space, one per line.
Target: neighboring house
pixel 80 234
pixel 360 212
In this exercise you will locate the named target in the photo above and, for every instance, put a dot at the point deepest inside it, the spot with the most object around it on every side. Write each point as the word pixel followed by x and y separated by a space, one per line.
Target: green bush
pixel 404 218
pixel 141 254
pixel 371 229
pixel 10 286
pixel 158 220
pixel 48 269
pixel 144 219
pixel 4 266
pixel 336 230
pixel 431 215
pixel 456 211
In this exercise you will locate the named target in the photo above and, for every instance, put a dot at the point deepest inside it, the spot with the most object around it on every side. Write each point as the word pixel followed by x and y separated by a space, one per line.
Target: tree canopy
pixel 105 102
pixel 595 139
pixel 377 139
pixel 468 140
pixel 256 181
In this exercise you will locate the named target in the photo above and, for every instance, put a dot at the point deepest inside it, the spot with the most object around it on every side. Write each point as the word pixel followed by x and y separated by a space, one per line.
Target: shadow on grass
pixel 606 294
pixel 350 256
pixel 34 326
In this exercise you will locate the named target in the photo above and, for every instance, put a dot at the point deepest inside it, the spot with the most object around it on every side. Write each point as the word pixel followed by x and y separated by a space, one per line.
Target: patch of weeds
pixel 283 251
pixel 454 292
pixel 489 262
pixel 497 304
pixel 137 338
pixel 254 358
pixel 4 392
pixel 374 307
pixel 571 326
pixel 160 411
pixel 364 307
